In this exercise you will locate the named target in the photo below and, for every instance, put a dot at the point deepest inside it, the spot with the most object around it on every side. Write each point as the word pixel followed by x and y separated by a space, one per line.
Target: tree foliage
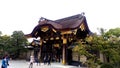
pixel 13 45
pixel 107 43
pixel 113 32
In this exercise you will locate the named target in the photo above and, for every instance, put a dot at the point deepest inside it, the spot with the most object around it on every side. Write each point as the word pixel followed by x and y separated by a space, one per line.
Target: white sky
pixel 24 14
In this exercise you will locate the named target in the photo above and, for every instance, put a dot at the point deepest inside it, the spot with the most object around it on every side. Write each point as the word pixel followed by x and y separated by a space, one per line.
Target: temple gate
pixel 58 35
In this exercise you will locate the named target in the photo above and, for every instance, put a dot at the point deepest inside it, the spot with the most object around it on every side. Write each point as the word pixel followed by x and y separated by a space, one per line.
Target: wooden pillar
pixel 64 51
pixel 40 51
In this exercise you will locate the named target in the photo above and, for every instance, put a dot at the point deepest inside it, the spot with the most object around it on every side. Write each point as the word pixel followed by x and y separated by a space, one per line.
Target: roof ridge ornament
pixel 83 13
pixel 42 19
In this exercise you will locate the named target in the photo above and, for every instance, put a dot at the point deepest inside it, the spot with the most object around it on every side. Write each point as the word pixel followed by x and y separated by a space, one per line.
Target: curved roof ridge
pixel 69 18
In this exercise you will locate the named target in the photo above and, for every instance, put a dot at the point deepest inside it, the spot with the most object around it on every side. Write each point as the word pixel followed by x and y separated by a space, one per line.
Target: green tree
pixel 112 51
pixel 0 33
pixel 19 41
pixel 94 47
pixel 13 45
pixel 113 32
pixel 107 43
pixel 4 44
pixel 110 46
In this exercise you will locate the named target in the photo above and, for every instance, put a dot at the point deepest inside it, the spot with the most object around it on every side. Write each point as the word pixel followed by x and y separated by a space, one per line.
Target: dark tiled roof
pixel 65 23
pixel 68 23
pixel 69 18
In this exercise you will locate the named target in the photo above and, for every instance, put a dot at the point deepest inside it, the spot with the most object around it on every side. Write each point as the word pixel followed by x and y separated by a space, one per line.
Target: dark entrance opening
pixel 50 49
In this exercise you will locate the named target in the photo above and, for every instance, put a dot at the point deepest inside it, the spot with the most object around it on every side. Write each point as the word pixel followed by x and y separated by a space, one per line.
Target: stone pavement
pixel 25 64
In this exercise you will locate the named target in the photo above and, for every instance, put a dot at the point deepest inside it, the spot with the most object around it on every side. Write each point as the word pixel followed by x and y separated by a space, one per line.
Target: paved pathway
pixel 25 64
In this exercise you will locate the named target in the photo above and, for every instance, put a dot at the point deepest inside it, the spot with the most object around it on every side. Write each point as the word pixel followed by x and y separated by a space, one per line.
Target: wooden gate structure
pixel 60 33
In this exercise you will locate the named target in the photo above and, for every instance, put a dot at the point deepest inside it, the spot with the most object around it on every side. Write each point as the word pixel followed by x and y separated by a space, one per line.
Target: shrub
pixel 106 65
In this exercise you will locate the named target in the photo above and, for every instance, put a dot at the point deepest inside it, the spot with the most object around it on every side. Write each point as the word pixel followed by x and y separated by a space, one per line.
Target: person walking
pixel 49 60
pixel 7 59
pixel 31 61
pixel 45 59
pixel 4 63
pixel 37 61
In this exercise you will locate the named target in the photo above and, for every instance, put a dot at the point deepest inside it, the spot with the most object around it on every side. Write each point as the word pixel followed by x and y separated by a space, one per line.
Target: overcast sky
pixel 24 14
